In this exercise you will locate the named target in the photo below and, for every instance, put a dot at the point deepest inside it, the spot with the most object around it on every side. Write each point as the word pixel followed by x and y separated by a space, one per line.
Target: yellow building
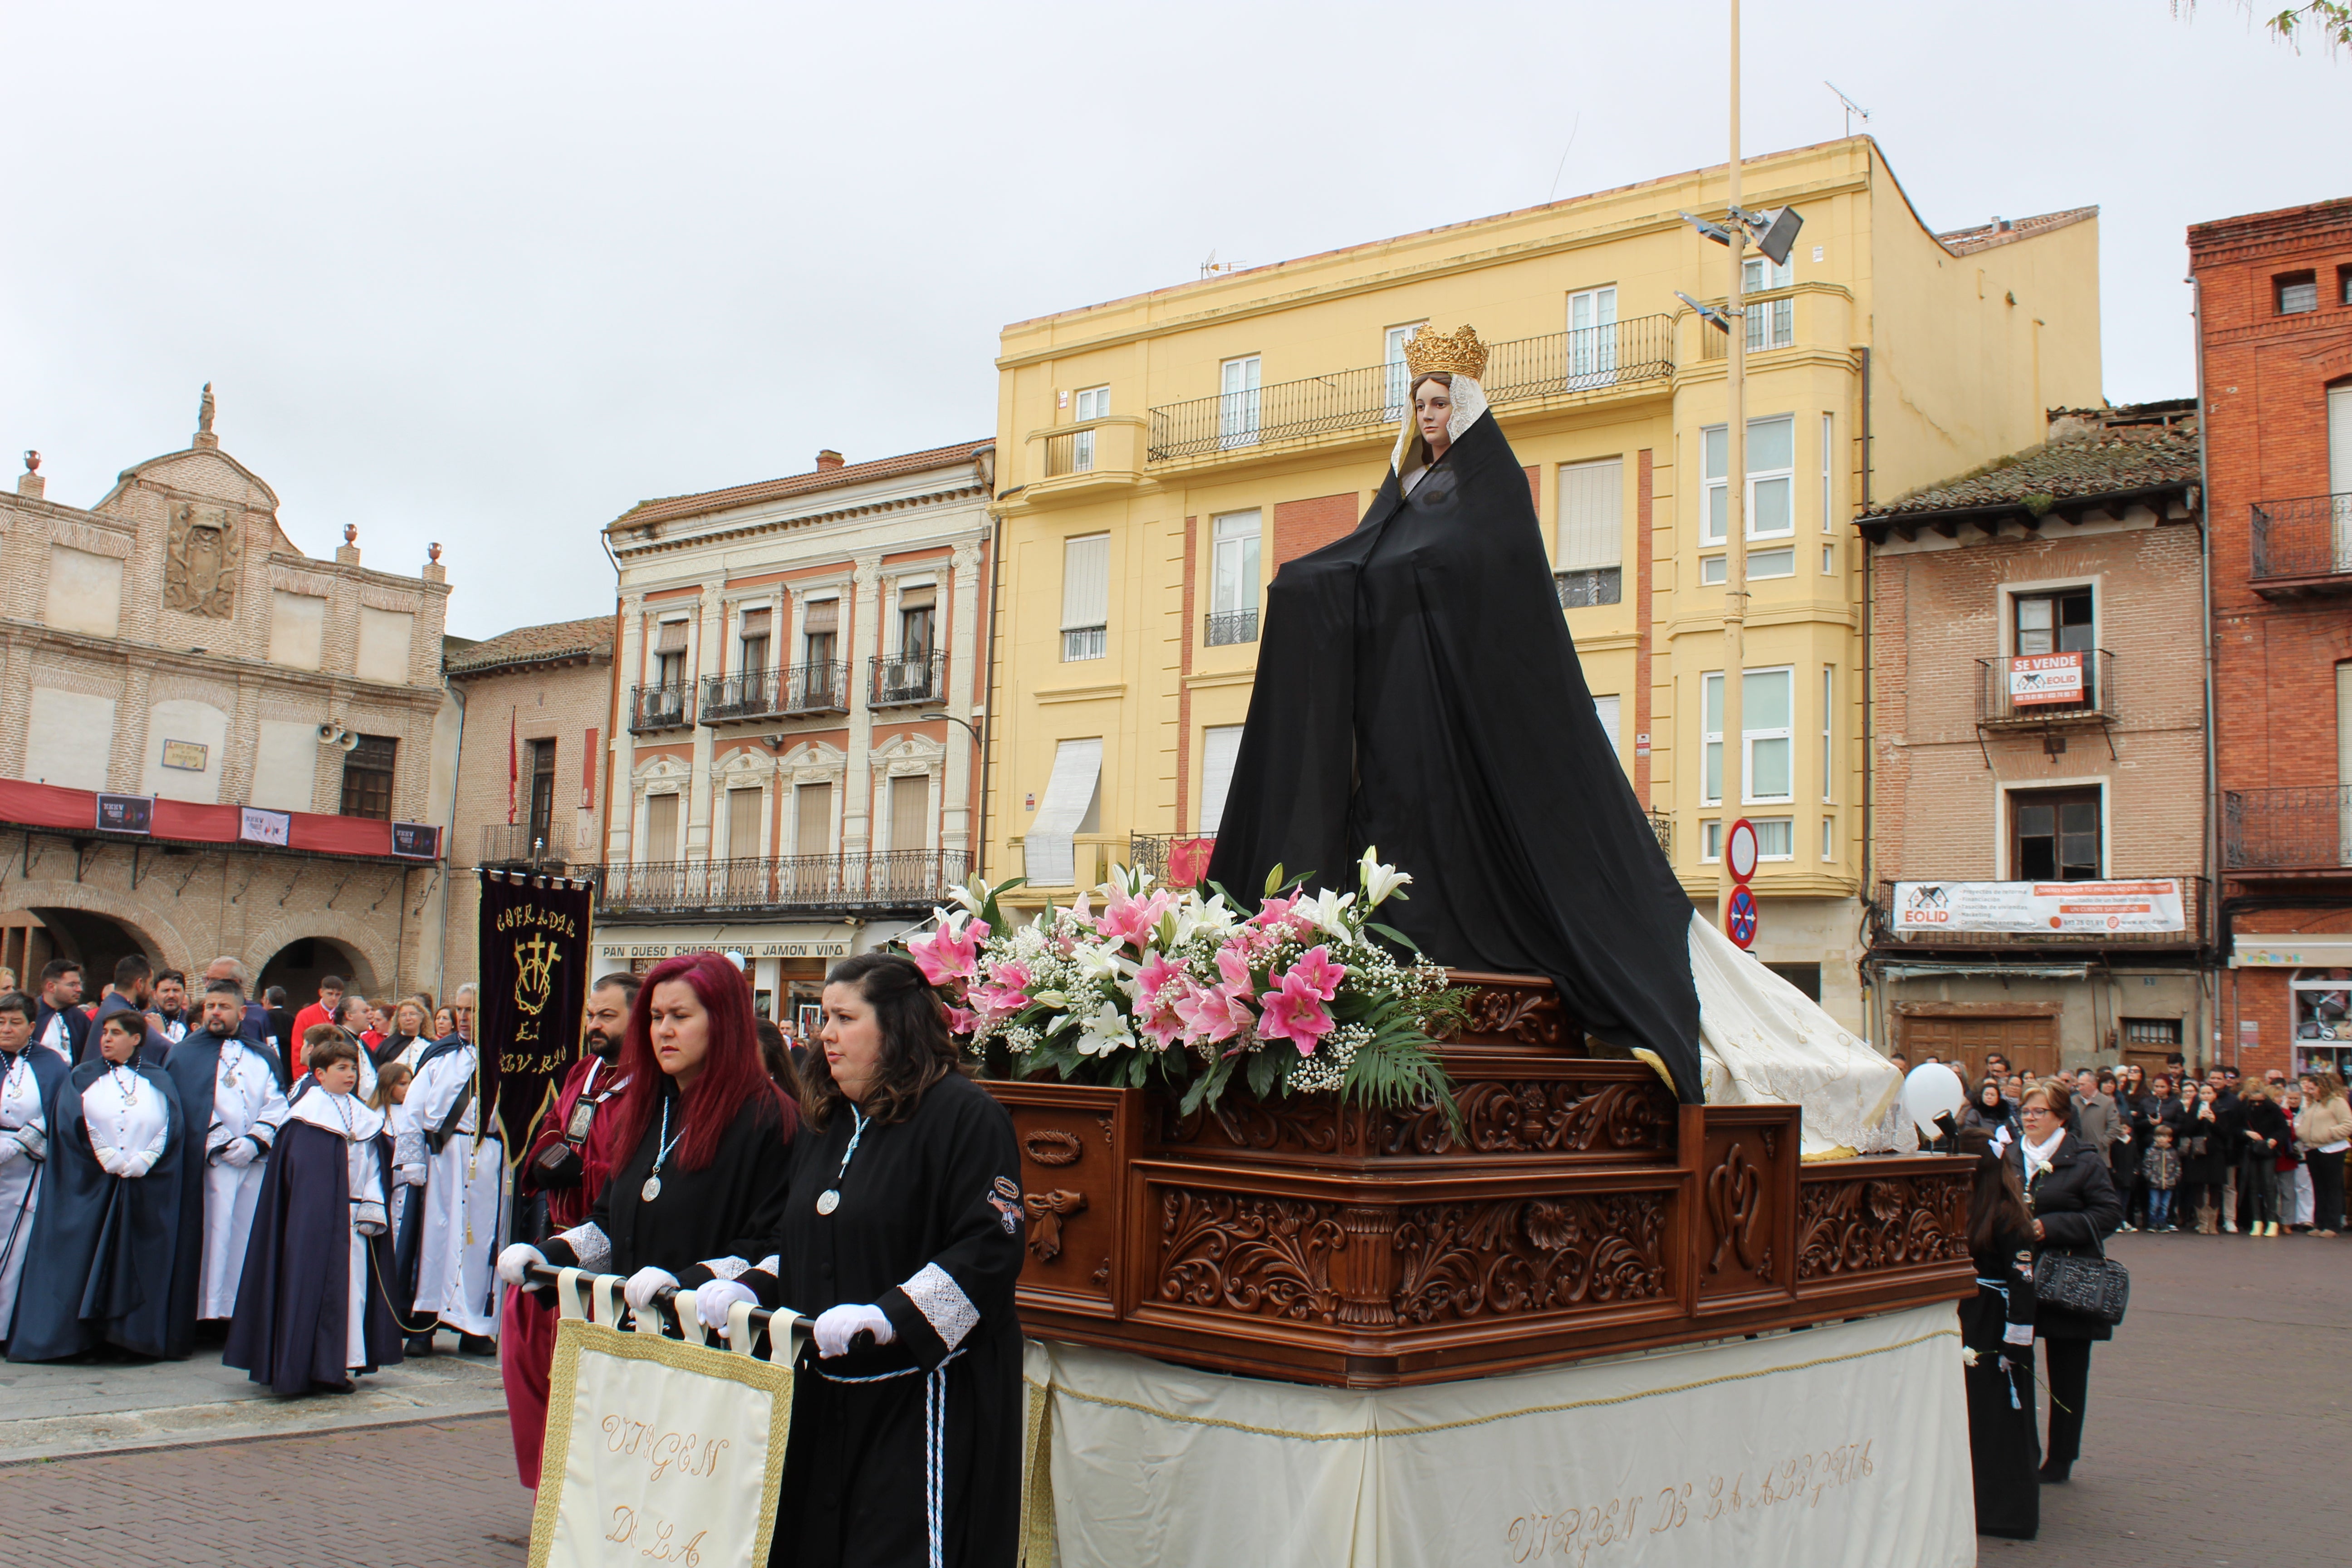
pixel 1163 455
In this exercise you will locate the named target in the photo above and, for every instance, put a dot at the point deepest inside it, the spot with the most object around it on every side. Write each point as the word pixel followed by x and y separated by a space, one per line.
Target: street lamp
pixel 980 743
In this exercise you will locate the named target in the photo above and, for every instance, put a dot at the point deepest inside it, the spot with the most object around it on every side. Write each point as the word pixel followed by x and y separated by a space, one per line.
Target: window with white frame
pixel 1593 337
pixel 1829 837
pixel 1093 403
pixel 1237 402
pixel 1771 564
pixel 1771 478
pixel 1772 323
pixel 1710 833
pixel 1828 746
pixel 1767 738
pixel 1399 379
pixel 1591 533
pixel 1829 449
pixel 1086 597
pixel 1776 837
pixel 1233 579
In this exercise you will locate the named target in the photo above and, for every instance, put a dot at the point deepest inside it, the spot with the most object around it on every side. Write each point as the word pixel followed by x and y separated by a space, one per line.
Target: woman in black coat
pixel 1996 1327
pixel 2072 1197
pixel 2203 1138
pixel 2265 1134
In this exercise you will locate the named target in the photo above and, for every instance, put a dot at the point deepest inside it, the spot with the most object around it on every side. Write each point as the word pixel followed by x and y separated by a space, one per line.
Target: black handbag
pixel 2097 1288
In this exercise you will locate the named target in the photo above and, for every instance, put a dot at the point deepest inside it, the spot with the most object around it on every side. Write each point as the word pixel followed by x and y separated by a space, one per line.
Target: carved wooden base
pixel 1584 1213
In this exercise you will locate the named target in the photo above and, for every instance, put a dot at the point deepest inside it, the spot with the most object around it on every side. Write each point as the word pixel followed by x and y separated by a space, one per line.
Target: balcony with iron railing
pixel 908 680
pixel 1580 365
pixel 1223 628
pixel 655 708
pixel 2302 830
pixel 521 844
pixel 2041 691
pixel 2301 548
pixel 909 879
pixel 794 691
pixel 1594 585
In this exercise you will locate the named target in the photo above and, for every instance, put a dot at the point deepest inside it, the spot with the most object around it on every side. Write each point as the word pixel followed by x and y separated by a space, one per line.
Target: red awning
pixel 182 822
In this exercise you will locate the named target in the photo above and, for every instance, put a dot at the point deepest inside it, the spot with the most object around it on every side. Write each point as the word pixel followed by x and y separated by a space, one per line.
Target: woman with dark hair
pixel 2264 1135
pixel 1990 1112
pixel 28 1087
pixel 2068 1186
pixel 1996 1327
pixel 902 1239
pixel 2325 1130
pixel 2204 1158
pixel 708 1138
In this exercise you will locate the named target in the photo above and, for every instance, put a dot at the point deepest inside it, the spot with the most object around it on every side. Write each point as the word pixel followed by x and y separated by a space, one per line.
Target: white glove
pixel 10 1149
pixel 138 1165
pixel 409 1175
pixel 108 1161
pixel 33 1141
pixel 639 1291
pixel 520 1255
pixel 367 1217
pixel 713 1300
pixel 237 1153
pixel 836 1326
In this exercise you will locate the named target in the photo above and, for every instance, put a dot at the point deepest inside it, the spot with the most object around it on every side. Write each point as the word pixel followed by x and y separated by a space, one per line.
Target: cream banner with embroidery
pixel 1841 1446
pixel 658 1450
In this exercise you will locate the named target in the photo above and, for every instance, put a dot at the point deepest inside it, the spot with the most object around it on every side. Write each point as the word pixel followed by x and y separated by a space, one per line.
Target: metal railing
pixel 2000 701
pixel 887 878
pixel 1229 626
pixel 1071 452
pixel 1591 360
pixel 907 683
pixel 2306 830
pixel 658 708
pixel 2308 537
pixel 1582 590
pixel 794 690
pixel 1079 643
pixel 1179 858
pixel 1661 823
pixel 515 844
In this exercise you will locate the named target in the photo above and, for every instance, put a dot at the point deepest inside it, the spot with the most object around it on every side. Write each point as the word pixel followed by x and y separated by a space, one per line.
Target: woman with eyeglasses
pixel 2072 1198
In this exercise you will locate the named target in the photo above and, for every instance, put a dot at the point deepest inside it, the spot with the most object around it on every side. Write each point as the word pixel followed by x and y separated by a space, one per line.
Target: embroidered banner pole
pixel 535 935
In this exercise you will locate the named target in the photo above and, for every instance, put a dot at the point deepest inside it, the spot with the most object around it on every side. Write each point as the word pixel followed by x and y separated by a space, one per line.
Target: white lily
pixel 1380 880
pixel 1328 910
pixel 1097 960
pixel 1104 1031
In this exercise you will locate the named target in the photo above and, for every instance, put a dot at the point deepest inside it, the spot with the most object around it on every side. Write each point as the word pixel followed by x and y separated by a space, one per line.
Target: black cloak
pixel 101 1267
pixel 2004 1450
pixel 49 1071
pixel 293 1302
pixel 1418 691
pixel 193 1065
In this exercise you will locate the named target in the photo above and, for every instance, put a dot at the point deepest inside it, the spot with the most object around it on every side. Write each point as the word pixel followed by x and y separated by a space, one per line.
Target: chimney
pixel 828 458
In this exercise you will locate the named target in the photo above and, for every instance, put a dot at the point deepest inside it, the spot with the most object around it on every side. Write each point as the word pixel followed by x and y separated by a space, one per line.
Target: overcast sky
pixel 490 273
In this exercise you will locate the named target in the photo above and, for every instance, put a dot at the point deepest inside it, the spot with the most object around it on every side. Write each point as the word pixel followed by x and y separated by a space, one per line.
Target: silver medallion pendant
pixel 827 1201
pixel 651 1190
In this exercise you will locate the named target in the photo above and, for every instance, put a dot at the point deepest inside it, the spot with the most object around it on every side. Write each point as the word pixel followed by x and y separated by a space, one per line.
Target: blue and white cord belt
pixel 935 1442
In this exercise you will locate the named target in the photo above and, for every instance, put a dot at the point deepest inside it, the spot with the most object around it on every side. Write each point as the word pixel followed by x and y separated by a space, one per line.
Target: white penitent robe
pixel 408 1163
pixel 465 1190
pixel 128 1122
pixel 357 1123
pixel 21 1112
pixel 245 1104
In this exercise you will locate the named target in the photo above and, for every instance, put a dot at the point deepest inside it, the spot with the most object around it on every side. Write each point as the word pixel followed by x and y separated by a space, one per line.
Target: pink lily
pixel 1212 1013
pixel 961 1022
pixel 1155 974
pixel 1295 1012
pixel 1315 970
pixel 950 952
pixel 1234 966
pixel 1133 919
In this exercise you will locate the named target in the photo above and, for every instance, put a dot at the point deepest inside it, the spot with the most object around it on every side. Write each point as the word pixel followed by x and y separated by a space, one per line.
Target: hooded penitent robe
pixel 229 1090
pixel 312 1309
pixel 1418 692
pixel 100 1269
pixel 28 1086
pixel 463 1222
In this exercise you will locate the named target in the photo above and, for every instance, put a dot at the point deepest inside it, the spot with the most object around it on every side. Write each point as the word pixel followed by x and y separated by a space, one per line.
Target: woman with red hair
pixel 707 1136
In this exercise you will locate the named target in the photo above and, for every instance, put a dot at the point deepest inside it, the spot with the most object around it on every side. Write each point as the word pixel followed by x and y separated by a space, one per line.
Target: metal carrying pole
pixel 1735 511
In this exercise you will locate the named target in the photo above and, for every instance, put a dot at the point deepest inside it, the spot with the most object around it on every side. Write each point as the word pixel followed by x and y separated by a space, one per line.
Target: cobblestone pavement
pixel 2219 1436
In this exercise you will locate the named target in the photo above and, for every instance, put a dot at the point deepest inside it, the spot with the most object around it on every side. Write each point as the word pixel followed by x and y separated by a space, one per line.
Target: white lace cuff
pixel 943 1304
pixel 591 1245
pixel 771 1263
pixel 728 1267
pixel 2018 1334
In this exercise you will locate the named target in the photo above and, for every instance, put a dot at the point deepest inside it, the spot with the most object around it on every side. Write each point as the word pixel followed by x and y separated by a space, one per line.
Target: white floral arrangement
pixel 1166 985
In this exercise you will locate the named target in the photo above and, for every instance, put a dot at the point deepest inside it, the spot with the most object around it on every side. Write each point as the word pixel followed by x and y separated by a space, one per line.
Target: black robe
pixel 1418 692
pixel 103 1246
pixel 729 1209
pixel 2005 1448
pixel 932 1203
pixel 293 1325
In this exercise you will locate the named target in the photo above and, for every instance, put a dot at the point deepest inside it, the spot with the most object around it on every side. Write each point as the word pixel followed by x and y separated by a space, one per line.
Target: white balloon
pixel 1929 1090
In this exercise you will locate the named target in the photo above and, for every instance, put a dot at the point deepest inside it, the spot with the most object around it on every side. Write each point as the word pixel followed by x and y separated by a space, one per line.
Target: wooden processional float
pixel 1584 1213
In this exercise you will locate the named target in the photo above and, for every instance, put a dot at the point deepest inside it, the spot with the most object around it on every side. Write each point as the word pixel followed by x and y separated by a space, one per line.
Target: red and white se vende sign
pixel 2046 677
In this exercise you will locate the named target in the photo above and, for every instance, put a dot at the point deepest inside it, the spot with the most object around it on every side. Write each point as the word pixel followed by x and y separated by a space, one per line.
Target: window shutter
pixel 1219 747
pixel 1050 858
pixel 921 598
pixel 755 624
pixel 673 637
pixel 661 829
pixel 1606 708
pixel 1086 582
pixel 910 802
pixel 1592 515
pixel 820 617
pixel 742 823
pixel 813 829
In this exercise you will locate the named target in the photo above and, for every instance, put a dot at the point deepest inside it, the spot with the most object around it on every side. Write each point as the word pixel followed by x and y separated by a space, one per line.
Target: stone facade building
pixel 530 777
pixel 802 680
pixel 173 645
pixel 2037 737
pixel 2274 314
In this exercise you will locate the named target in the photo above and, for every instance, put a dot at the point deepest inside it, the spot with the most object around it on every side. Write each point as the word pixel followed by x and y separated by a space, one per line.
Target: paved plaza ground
pixel 2219 1436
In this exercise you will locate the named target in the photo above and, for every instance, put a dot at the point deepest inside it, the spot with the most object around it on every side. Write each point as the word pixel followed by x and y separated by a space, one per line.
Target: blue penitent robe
pixel 29 1081
pixel 101 1267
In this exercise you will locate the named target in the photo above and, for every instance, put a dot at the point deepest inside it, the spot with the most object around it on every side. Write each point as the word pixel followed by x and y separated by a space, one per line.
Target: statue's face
pixel 1433 406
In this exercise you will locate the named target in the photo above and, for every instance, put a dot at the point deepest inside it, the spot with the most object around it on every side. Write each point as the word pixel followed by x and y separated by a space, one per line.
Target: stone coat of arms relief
pixel 201 553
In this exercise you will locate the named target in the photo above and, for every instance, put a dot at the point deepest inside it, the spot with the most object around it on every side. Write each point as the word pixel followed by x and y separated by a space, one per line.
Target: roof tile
pixel 663 508
pixel 586 638
pixel 2091 453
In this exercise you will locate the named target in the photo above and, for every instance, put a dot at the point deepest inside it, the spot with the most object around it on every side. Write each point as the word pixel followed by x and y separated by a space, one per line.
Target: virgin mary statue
pixel 1418 692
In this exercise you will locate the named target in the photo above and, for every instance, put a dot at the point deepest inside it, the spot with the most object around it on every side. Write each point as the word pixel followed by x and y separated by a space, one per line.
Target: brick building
pixel 270 715
pixel 2274 313
pixel 2037 736
pixel 537 701
pixel 800 688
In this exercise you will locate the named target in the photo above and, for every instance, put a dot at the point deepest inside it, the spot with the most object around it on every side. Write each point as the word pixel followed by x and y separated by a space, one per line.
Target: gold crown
pixel 1452 353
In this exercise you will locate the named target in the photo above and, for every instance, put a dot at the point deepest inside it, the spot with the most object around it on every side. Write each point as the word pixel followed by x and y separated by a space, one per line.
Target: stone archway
pixel 63 905
pixel 298 966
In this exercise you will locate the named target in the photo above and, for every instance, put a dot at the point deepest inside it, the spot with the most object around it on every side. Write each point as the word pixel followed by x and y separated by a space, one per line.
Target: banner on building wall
pixel 416 841
pixel 534 935
pixel 255 826
pixel 126 813
pixel 2079 909
pixel 2037 679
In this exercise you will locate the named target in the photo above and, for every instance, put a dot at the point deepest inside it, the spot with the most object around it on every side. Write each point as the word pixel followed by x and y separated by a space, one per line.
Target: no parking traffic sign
pixel 1739 917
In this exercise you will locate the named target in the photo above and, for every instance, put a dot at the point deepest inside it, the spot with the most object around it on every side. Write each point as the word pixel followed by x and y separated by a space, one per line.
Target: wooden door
pixel 2029 1042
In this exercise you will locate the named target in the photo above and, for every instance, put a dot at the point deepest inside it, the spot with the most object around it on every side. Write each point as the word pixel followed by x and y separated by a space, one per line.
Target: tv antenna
pixel 1212 267
pixel 1852 107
